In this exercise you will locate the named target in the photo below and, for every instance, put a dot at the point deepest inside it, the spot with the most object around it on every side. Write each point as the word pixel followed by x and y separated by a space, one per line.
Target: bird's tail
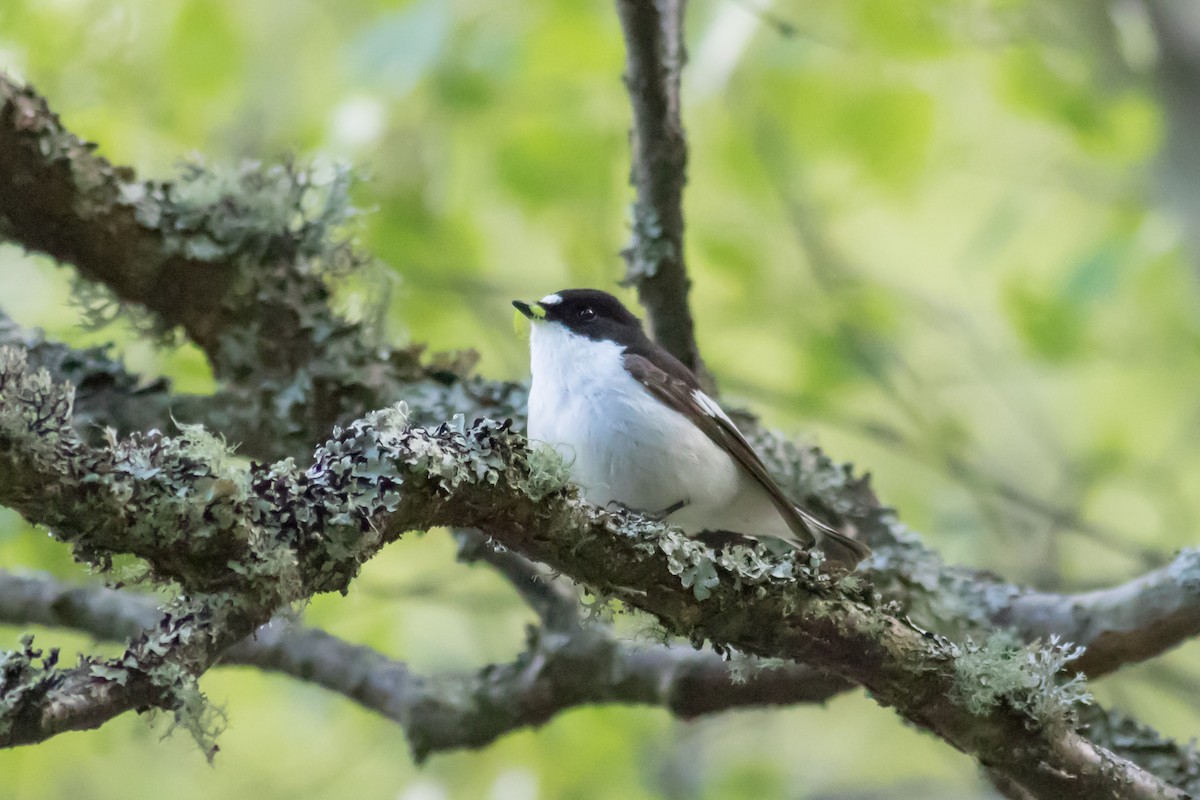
pixel 837 546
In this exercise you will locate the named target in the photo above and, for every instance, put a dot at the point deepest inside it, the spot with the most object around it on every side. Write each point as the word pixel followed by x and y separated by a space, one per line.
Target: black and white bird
pixel 636 429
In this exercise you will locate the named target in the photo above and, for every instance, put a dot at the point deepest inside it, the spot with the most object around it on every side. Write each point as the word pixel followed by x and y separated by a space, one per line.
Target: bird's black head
pixel 587 312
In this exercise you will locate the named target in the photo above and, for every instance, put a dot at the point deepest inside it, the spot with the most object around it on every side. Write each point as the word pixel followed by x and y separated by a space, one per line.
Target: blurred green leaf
pixel 205 49
pixel 1052 327
pixel 904 29
pixel 1058 86
pixel 543 165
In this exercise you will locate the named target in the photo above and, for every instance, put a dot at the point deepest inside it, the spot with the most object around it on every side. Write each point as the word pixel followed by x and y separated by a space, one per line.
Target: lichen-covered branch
pixel 273 534
pixel 238 259
pixel 63 200
pixel 452 711
pixel 175 249
pixel 106 394
pixel 1178 765
pixel 1131 622
pixel 925 678
pixel 159 668
pixel 654 59
pixel 463 710
pixel 1128 623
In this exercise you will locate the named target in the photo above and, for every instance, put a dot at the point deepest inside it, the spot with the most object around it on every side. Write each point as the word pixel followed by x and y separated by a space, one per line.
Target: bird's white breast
pixel 621 443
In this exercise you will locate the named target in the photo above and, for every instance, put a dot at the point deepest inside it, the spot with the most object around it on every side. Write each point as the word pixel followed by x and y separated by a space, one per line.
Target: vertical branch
pixel 1176 28
pixel 655 55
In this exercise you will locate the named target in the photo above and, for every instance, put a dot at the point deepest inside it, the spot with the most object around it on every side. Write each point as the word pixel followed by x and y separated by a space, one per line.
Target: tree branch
pixel 452 711
pixel 1175 25
pixel 238 258
pixel 552 599
pixel 1128 623
pixel 106 394
pixel 463 710
pixel 558 672
pixel 655 264
pixel 293 534
pixel 74 206
pixel 157 670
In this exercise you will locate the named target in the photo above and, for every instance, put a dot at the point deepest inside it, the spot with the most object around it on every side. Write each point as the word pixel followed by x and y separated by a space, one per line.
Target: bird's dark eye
pixel 586 313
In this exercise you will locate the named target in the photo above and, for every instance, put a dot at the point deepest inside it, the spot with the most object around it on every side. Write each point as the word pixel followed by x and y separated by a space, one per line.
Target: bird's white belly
pixel 622 445
pixel 628 448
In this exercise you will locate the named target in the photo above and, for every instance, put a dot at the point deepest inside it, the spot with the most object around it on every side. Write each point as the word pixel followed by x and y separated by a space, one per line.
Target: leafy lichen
pixel 649 245
pixel 25 676
pixel 1028 677
pixel 546 472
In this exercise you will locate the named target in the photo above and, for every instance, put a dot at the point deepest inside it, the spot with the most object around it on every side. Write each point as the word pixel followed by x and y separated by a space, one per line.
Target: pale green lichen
pixel 249 210
pixel 29 680
pixel 1028 677
pixel 649 245
pixel 272 234
pixel 694 567
pixel 276 237
pixel 192 712
pixel 743 667
pixel 546 472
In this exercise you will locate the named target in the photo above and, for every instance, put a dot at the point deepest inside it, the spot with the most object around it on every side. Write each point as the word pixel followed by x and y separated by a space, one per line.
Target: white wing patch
pixel 709 405
pixel 550 300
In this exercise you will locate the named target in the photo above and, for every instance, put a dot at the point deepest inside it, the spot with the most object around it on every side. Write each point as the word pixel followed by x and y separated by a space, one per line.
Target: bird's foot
pixel 616 505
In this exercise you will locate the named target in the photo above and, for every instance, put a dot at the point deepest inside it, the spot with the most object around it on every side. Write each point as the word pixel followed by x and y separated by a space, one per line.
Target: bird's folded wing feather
pixel 682 393
pixel 686 398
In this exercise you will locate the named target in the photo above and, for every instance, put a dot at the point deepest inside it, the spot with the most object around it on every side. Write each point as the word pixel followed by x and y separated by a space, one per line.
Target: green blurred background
pixel 933 236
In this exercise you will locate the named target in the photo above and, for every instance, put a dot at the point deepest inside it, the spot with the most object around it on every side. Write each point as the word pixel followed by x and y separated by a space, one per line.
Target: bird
pixel 636 430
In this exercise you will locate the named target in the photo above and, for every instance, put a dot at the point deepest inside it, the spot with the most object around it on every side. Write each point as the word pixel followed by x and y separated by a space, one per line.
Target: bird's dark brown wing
pixel 681 392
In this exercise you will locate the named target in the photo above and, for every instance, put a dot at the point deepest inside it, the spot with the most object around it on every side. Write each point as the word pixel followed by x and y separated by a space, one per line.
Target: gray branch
pixel 1176 28
pixel 1131 622
pixel 554 600
pixel 654 59
pixel 452 711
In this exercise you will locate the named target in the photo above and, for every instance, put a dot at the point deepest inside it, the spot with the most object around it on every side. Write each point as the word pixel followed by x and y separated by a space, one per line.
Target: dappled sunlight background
pixel 929 236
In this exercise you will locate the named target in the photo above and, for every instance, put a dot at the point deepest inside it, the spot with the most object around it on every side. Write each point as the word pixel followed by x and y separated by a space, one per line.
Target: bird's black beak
pixel 534 311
